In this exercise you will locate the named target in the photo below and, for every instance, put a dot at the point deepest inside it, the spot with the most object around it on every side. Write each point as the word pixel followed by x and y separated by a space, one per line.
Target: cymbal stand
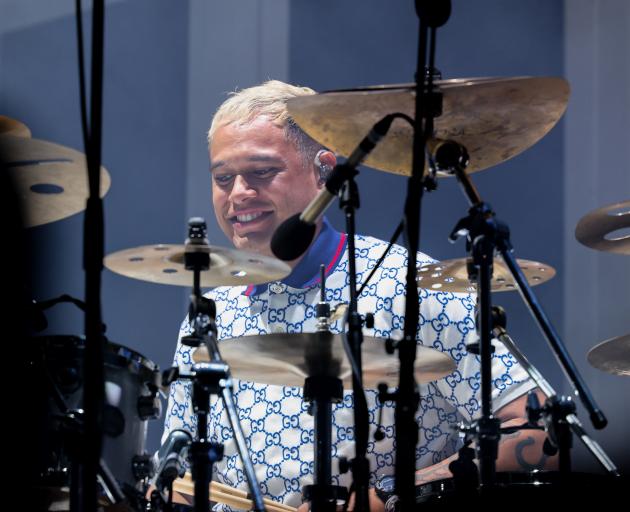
pixel 210 378
pixel 485 235
pixel 322 388
pixel 570 419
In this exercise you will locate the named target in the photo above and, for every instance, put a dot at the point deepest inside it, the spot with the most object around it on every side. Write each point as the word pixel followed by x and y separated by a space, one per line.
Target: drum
pixel 527 489
pixel 131 399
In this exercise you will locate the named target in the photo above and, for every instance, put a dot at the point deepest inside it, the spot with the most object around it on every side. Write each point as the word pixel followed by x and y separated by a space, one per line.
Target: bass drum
pixel 537 490
pixel 131 399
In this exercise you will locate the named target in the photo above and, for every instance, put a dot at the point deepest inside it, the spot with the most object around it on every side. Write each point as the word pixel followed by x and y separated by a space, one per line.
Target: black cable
pixel 392 241
pixel 398 231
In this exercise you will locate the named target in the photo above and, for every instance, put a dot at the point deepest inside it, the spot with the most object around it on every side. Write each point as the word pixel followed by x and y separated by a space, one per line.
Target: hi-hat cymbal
pixel 494 118
pixel 51 180
pixel 612 356
pixel 286 359
pixel 595 229
pixel 452 275
pixel 13 127
pixel 164 264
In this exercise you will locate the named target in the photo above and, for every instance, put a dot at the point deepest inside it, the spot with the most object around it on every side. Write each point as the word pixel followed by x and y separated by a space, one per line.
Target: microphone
pixel 169 464
pixel 294 235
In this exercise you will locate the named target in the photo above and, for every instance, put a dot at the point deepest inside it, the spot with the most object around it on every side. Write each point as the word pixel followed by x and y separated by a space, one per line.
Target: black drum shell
pixel 56 368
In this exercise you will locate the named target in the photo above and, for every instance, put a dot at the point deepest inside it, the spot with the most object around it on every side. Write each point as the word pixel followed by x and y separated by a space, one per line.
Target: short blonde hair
pixel 267 99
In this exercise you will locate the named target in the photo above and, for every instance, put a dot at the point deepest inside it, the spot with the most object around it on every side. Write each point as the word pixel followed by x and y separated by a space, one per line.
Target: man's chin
pixel 253 243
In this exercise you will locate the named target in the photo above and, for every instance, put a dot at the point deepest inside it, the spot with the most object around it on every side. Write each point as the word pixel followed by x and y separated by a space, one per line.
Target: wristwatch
pixel 385 491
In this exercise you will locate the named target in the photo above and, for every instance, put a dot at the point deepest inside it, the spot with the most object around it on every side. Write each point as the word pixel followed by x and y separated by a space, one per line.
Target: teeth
pixel 248 218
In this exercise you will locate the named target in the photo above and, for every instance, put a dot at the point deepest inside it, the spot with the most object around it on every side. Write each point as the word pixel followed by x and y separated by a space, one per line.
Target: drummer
pixel 265 169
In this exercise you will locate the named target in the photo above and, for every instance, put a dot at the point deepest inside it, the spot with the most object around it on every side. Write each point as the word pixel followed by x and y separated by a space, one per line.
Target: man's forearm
pixel 520 451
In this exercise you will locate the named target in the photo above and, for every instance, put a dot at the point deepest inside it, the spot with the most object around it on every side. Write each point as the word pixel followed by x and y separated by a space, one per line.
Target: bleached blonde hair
pixel 267 99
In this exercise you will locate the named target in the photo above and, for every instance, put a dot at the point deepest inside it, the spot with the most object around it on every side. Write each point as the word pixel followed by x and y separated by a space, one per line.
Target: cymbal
pixel 452 275
pixel 595 228
pixel 612 356
pixel 164 264
pixel 13 127
pixel 286 359
pixel 494 118
pixel 50 179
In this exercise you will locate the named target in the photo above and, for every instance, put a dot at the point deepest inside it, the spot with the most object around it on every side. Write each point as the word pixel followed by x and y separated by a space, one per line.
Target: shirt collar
pixel 327 249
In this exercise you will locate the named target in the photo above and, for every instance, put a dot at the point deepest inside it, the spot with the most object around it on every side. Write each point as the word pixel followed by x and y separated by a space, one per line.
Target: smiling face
pixel 259 179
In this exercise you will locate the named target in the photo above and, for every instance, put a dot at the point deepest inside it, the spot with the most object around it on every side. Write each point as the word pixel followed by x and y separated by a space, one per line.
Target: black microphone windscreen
pixel 292 238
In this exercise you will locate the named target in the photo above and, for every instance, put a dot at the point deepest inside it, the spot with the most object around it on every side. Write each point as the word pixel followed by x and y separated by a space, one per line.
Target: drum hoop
pixel 115 354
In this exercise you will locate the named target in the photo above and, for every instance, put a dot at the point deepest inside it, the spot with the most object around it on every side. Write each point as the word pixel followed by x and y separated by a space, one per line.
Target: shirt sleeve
pixel 179 412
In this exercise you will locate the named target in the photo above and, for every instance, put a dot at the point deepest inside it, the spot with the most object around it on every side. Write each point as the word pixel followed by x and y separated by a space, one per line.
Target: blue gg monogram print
pixel 275 421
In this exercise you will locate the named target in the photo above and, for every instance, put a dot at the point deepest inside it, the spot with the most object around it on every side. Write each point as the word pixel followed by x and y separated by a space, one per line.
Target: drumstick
pixel 217 486
pixel 233 497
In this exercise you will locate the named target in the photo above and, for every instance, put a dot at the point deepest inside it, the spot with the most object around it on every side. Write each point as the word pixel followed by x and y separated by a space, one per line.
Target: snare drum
pixel 131 399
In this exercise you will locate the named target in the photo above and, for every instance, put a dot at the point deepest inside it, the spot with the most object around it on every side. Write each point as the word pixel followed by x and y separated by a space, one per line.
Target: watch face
pixel 385 489
pixel 386 484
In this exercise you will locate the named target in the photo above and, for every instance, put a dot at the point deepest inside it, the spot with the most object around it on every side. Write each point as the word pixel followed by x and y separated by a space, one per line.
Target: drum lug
pixel 142 466
pixel 149 407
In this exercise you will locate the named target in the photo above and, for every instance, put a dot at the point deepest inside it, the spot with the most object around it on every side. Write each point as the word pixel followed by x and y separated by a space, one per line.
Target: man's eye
pixel 222 179
pixel 264 173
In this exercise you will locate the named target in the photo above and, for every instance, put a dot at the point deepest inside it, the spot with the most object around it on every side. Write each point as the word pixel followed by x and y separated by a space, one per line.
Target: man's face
pixel 259 179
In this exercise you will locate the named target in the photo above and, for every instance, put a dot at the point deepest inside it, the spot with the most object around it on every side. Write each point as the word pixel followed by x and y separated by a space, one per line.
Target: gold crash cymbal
pixel 612 356
pixel 494 118
pixel 14 128
pixel 595 229
pixel 286 359
pixel 51 180
pixel 452 275
pixel 164 264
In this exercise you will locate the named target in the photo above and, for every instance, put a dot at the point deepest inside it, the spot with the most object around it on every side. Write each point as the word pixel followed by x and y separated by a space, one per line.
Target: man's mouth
pixel 242 221
pixel 247 217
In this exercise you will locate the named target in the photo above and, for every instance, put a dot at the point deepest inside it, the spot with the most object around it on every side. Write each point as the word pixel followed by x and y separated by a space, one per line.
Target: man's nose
pixel 241 189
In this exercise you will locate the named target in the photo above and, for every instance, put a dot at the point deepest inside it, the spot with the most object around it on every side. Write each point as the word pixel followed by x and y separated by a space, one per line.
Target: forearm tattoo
pixel 521 459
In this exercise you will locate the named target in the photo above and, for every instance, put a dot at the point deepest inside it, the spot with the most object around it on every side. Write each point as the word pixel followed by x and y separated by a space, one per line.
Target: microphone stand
pixel 85 494
pixel 349 202
pixel 210 378
pixel 432 14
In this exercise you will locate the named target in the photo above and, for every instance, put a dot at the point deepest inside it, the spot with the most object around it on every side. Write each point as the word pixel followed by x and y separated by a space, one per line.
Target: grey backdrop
pixel 169 65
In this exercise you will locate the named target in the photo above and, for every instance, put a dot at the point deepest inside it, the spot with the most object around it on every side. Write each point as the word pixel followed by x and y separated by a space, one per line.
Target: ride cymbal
pixel 494 118
pixel 164 264
pixel 452 275
pixel 596 228
pixel 612 356
pixel 51 179
pixel 286 359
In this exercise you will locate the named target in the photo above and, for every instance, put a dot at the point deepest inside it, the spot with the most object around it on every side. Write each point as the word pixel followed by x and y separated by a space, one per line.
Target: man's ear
pixel 324 162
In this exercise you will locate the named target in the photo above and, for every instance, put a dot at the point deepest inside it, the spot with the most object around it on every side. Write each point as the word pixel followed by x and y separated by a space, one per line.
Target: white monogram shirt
pixel 278 429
